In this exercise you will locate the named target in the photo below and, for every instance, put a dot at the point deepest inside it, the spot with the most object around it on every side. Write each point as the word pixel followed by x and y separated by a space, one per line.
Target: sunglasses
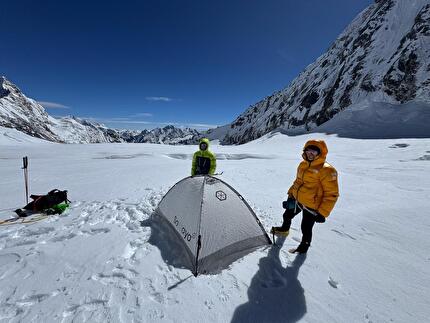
pixel 313 151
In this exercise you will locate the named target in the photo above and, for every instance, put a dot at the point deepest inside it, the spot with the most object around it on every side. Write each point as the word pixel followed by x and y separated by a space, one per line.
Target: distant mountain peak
pixel 3 90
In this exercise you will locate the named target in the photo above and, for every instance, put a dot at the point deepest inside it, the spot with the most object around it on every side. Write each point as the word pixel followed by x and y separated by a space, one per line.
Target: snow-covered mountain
pixel 76 130
pixel 382 56
pixel 168 135
pixel 26 115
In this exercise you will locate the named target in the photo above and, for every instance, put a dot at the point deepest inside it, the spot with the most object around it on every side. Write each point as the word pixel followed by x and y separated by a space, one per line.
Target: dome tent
pixel 213 221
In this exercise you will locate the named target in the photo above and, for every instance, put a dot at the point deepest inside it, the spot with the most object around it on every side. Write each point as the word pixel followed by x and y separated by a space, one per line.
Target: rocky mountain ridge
pixel 26 115
pixel 382 56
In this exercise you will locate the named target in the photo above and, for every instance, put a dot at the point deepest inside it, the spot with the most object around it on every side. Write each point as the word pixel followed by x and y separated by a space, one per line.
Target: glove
pixel 319 218
pixel 289 204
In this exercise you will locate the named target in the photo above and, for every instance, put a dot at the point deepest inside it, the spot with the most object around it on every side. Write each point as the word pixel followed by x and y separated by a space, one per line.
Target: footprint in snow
pixel 10 263
pixel 155 314
pixel 343 234
pixel 117 279
pixel 333 283
pixel 90 306
pixel 38 232
pixel 21 243
pixel 297 239
pixel 9 258
pixel 8 311
pixel 127 271
pixel 209 304
pixel 64 237
pixel 31 300
pixel 367 318
pixel 95 231
pixel 132 248
pixel 223 297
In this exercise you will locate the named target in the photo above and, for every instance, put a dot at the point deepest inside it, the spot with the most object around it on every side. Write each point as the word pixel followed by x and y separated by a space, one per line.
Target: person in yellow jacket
pixel 314 192
pixel 204 161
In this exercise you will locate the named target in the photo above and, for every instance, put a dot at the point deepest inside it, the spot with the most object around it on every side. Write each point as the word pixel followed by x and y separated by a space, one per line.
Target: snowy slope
pixel 370 120
pixel 108 260
pixel 11 137
pixel 382 56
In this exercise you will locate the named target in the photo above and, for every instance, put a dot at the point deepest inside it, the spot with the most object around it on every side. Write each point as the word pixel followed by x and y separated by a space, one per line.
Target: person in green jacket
pixel 204 161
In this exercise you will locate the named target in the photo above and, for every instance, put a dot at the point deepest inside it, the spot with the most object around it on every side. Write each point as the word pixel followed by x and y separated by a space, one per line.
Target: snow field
pixel 108 259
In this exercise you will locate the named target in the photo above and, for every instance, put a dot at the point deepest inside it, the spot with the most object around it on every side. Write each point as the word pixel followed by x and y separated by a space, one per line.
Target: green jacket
pixel 204 161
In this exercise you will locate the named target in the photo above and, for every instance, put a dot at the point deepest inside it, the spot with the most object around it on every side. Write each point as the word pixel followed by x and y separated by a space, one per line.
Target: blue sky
pixel 142 64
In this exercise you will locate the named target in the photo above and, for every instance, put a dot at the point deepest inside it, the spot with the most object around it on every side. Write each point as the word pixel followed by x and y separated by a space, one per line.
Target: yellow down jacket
pixel 316 184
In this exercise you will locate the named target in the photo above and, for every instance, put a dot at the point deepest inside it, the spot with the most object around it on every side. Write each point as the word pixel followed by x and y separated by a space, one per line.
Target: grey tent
pixel 213 221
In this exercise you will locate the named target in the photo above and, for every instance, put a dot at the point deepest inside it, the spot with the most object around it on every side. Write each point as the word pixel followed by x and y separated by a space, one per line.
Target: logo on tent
pixel 220 195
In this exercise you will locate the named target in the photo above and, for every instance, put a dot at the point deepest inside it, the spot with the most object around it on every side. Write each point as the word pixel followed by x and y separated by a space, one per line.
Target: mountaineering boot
pixel 303 247
pixel 280 231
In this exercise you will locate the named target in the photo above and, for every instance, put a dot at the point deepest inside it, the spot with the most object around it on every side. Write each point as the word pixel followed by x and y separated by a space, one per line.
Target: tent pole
pixel 199 246
pixel 25 168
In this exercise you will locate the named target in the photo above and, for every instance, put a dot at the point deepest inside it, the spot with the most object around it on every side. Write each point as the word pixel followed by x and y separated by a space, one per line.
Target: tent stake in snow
pixel 25 168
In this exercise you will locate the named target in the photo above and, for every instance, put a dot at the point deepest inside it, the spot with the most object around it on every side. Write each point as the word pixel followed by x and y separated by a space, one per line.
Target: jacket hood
pixel 204 140
pixel 321 145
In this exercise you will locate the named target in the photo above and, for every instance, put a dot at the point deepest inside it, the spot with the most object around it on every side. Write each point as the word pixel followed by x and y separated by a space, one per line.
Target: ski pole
pixel 25 168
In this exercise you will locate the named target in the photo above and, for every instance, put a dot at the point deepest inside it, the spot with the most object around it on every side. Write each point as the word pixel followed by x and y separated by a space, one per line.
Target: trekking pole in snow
pixel 25 168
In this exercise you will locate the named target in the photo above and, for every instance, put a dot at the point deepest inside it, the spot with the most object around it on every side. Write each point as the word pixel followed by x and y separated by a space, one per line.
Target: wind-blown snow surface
pixel 108 260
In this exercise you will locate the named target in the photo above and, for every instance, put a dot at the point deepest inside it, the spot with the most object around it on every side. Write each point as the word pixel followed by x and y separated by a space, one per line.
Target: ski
pixel 25 217
pixel 24 220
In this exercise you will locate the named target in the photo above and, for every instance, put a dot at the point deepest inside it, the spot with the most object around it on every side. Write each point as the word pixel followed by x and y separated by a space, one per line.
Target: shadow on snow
pixel 275 293
pixel 165 239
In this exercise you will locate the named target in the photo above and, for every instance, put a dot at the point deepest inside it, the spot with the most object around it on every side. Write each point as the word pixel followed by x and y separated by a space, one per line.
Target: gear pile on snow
pixel 55 202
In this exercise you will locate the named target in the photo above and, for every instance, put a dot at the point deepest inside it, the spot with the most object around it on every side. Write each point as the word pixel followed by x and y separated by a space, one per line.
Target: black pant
pixel 308 221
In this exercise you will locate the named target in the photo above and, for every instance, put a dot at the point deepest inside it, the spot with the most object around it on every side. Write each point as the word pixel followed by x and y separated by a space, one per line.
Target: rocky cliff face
pixel 382 56
pixel 26 115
